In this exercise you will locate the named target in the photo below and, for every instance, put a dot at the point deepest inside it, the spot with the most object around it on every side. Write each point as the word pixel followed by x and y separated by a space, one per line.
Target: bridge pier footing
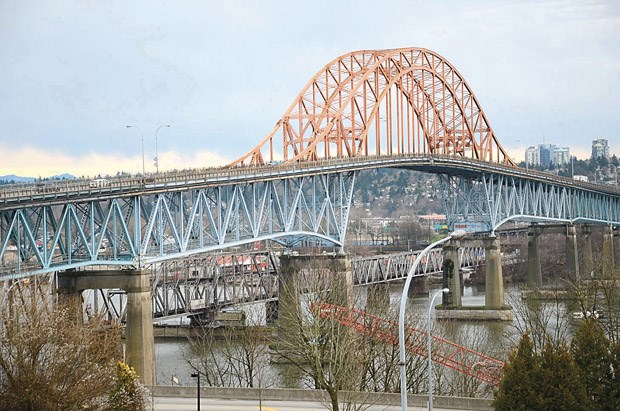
pixel 302 273
pixel 139 342
pixel 419 287
pixel 572 254
pixel 494 288
pixel 534 271
pixel 451 274
pixel 608 251
pixel 587 263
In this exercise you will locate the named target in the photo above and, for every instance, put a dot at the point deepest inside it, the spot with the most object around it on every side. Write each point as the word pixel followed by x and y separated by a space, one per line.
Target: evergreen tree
pixel 560 387
pixel 592 355
pixel 519 387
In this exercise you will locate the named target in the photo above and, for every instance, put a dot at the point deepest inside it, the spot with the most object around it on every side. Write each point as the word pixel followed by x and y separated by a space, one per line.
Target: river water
pixel 490 338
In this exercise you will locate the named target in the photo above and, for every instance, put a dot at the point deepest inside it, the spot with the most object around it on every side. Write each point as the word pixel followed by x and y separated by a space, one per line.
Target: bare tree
pixel 50 360
pixel 329 355
pixel 231 356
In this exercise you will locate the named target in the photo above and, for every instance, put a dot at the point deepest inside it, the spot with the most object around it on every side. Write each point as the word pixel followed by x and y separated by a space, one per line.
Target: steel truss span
pixel 489 200
pixel 382 102
pixel 144 229
pixel 400 108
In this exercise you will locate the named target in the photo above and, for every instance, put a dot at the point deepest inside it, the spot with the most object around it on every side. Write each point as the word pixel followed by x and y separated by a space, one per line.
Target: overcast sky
pixel 74 73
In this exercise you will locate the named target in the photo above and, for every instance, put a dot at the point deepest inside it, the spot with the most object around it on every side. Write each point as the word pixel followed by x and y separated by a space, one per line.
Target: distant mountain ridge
pixel 12 178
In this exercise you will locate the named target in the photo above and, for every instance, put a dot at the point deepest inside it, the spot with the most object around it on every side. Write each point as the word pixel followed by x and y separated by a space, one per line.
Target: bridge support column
pixel 139 343
pixel 494 288
pixel 314 272
pixel 451 274
pixel 616 241
pixel 587 262
pixel 271 312
pixel 534 271
pixel 572 253
pixel 419 287
pixel 608 251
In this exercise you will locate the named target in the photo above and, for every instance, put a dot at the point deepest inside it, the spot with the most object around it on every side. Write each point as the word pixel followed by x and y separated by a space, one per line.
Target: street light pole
pixel 142 139
pixel 401 315
pixel 429 342
pixel 197 375
pixel 156 155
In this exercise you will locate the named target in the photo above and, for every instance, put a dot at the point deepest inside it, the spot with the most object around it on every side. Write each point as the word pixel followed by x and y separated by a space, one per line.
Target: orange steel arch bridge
pixel 404 108
pixel 382 102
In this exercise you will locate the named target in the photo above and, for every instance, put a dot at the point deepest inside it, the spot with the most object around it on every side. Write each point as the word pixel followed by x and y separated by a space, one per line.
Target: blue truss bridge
pixel 399 108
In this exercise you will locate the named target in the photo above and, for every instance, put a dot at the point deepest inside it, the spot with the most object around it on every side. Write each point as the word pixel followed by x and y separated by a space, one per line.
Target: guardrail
pixel 13 195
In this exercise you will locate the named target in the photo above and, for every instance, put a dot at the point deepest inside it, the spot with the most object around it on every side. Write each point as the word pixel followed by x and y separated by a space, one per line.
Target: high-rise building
pixel 546 154
pixel 532 156
pixel 561 156
pixel 600 148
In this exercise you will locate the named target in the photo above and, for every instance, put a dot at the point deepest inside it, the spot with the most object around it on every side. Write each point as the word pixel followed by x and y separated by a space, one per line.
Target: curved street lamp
pixel 142 139
pixel 401 314
pixel 156 155
pixel 430 354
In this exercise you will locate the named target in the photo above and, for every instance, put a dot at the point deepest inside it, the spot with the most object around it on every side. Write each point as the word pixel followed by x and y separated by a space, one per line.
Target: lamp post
pixel 430 357
pixel 401 314
pixel 142 139
pixel 197 376
pixel 156 155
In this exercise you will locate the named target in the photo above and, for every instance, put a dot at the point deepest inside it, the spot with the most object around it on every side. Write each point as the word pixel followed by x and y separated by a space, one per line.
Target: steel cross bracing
pixel 217 281
pixel 385 268
pixel 194 285
pixel 142 229
pixel 487 200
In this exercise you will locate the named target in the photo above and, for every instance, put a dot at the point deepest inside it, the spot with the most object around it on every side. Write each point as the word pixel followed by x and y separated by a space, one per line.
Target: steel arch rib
pixel 328 111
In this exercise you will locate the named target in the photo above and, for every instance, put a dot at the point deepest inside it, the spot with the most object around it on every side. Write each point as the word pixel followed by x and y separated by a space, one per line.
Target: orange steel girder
pixel 382 102
pixel 446 353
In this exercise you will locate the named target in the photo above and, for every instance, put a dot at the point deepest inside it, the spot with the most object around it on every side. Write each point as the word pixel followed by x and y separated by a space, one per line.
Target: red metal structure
pixel 382 102
pixel 447 353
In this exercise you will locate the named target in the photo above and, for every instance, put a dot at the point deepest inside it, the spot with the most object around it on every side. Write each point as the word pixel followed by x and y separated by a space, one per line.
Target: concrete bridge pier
pixel 419 287
pixel 534 271
pixel 587 263
pixel 608 251
pixel 139 343
pixel 616 244
pixel 572 254
pixel 494 288
pixel 451 274
pixel 302 273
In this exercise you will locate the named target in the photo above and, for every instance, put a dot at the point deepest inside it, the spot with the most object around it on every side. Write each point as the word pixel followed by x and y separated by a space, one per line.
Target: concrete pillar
pixel 419 287
pixel 140 351
pixel 494 288
pixel 534 271
pixel 288 290
pixel 451 274
pixel 139 342
pixel 616 240
pixel 587 263
pixel 572 253
pixel 608 251
pixel 271 312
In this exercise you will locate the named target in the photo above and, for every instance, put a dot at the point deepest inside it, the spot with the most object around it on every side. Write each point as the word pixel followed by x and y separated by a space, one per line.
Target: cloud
pixel 34 162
